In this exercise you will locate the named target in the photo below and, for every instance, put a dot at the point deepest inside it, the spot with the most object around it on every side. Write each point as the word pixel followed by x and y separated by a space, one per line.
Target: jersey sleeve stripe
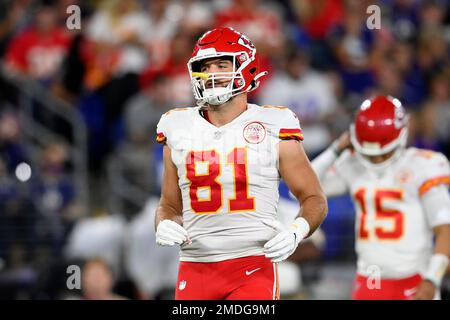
pixel 161 138
pixel 289 134
pixel 290 131
pixel 298 137
pixel 427 185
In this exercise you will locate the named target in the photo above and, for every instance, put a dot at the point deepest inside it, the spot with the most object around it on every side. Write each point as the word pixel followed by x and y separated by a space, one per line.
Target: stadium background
pixel 79 166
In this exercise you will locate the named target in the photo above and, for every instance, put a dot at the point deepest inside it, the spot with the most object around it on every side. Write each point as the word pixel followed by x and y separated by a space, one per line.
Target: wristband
pixel 301 229
pixel 334 146
pixel 436 269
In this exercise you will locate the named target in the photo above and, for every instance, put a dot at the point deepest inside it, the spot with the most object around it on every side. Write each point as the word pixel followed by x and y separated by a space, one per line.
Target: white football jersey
pixel 393 231
pixel 228 177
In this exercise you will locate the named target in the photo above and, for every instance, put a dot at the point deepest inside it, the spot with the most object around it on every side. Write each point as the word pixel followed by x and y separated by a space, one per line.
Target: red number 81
pixel 238 159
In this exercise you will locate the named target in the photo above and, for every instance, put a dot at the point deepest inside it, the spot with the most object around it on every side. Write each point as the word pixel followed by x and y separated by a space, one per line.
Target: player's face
pixel 217 65
pixel 381 158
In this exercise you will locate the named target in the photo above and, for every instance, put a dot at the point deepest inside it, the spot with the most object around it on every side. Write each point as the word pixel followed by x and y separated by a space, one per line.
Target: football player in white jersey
pixel 401 199
pixel 223 160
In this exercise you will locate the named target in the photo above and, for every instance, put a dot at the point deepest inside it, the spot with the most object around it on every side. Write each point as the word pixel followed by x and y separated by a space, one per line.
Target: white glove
pixel 281 246
pixel 169 233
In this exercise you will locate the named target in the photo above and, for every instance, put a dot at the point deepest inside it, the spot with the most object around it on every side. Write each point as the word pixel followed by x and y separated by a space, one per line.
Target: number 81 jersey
pixel 228 177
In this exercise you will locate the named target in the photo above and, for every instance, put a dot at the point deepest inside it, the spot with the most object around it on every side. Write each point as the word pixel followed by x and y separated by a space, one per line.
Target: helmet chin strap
pixel 217 96
pixel 379 168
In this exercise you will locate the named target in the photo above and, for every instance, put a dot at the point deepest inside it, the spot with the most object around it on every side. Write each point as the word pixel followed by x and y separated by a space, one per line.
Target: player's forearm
pixel 314 209
pixel 439 261
pixel 442 243
pixel 168 212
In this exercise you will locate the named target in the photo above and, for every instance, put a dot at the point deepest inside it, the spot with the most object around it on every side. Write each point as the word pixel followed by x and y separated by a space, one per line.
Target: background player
pixel 401 200
pixel 222 164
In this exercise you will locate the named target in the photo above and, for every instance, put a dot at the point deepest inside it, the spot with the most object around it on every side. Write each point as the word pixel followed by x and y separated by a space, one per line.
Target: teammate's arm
pixel 332 184
pixel 436 203
pixel 169 214
pixel 437 265
pixel 442 244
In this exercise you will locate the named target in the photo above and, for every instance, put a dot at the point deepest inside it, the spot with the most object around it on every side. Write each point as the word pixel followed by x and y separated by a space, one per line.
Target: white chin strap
pixel 217 96
pixel 379 168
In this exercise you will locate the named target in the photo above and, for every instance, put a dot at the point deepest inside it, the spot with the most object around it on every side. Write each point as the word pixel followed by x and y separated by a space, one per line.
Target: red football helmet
pixel 380 126
pixel 224 42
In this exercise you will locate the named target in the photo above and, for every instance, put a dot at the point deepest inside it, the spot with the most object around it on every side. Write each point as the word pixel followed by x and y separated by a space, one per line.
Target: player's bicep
pixel 171 200
pixel 296 170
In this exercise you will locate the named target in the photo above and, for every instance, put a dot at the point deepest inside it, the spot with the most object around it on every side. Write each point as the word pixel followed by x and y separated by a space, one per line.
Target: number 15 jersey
pixel 228 177
pixel 393 228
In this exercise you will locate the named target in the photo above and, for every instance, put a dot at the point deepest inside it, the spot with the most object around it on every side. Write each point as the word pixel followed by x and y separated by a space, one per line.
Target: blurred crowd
pixel 126 66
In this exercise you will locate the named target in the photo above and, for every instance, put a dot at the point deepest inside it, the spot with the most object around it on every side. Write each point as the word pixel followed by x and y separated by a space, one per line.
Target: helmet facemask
pixel 366 150
pixel 218 94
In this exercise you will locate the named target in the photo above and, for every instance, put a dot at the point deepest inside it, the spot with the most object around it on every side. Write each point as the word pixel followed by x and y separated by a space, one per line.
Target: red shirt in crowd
pixel 36 54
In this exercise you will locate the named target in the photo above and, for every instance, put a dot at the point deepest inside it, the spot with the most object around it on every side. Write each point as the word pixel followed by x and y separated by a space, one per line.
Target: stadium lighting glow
pixel 23 172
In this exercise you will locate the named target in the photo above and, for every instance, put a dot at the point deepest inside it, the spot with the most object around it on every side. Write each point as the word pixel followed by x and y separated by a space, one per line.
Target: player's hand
pixel 425 290
pixel 286 240
pixel 170 233
pixel 342 143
